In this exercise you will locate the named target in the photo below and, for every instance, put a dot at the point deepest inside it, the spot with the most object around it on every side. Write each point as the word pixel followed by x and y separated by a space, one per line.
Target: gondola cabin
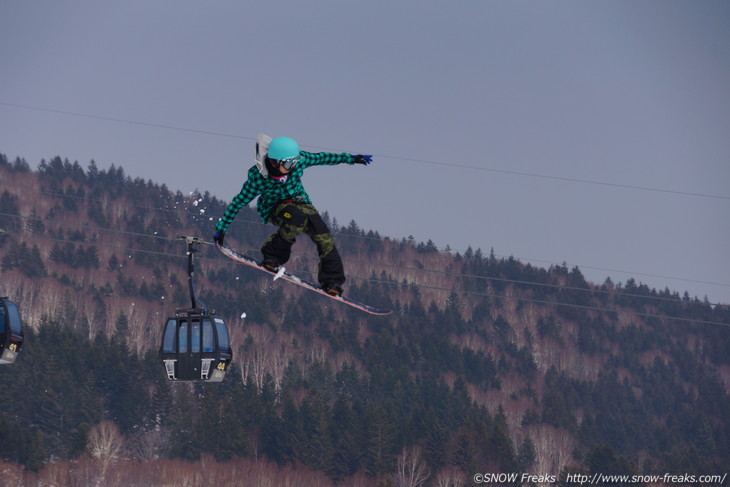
pixel 195 347
pixel 195 343
pixel 11 331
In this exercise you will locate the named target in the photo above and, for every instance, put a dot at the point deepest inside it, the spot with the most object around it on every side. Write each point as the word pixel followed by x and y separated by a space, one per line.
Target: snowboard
pixel 232 254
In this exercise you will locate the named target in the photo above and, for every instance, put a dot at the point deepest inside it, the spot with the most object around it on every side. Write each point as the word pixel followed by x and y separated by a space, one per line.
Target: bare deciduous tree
pixel 105 441
pixel 105 444
pixel 450 477
pixel 411 470
pixel 150 444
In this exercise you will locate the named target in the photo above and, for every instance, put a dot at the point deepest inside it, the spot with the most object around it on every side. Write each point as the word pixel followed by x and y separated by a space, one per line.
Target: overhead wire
pixel 576 306
pixel 257 221
pixel 554 303
pixel 558 178
pixel 127 121
pixel 420 286
pixel 388 156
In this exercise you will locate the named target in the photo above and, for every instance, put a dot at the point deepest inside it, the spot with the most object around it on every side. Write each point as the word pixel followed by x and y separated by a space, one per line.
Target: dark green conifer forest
pixel 486 365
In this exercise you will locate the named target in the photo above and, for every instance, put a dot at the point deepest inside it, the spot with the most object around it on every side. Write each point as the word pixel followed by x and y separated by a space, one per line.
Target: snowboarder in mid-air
pixel 276 179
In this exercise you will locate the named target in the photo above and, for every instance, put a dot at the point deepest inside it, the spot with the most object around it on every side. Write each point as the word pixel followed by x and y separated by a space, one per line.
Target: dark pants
pixel 293 218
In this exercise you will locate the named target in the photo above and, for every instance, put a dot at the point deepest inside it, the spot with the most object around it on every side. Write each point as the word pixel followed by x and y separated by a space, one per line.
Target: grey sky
pixel 620 92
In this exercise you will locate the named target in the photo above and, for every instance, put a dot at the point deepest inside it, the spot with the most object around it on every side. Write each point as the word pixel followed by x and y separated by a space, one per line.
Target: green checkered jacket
pixel 271 191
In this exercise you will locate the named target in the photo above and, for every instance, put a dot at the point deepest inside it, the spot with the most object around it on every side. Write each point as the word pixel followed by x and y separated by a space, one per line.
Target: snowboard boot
pixel 270 264
pixel 333 290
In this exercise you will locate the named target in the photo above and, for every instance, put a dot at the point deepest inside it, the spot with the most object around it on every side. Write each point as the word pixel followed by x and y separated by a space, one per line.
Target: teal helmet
pixel 283 148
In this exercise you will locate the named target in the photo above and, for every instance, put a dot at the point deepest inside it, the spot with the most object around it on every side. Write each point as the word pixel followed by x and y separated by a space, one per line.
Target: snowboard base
pixel 281 273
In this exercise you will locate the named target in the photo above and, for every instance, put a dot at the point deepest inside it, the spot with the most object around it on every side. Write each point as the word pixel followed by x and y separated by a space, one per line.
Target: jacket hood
pixel 262 150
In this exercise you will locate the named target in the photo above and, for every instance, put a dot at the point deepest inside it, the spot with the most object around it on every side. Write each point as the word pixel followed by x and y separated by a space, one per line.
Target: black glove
pixel 219 236
pixel 363 159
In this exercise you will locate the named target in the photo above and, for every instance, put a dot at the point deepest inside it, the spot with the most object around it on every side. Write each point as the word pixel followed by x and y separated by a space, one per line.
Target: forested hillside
pixel 486 365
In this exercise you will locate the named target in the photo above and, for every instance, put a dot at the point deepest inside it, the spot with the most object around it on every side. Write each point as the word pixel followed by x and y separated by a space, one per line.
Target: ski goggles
pixel 287 163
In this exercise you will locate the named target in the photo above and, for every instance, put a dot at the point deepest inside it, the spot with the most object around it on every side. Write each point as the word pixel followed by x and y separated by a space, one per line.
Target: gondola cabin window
pixel 183 338
pixel 13 317
pixel 168 345
pixel 208 340
pixel 223 341
pixel 195 336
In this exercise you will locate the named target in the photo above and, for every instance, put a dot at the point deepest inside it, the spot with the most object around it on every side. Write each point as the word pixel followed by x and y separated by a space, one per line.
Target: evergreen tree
pixel 9 212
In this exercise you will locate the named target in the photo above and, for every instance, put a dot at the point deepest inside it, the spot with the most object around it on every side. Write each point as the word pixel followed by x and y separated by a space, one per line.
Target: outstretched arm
pixel 329 158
